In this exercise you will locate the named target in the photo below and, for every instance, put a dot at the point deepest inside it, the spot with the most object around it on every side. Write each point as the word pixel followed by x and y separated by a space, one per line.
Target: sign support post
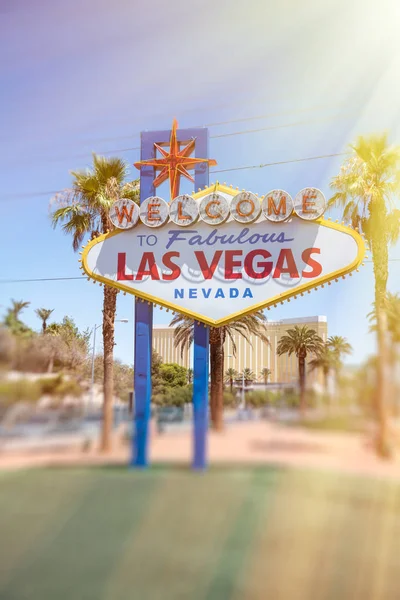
pixel 143 336
pixel 201 337
pixel 144 321
pixel 200 395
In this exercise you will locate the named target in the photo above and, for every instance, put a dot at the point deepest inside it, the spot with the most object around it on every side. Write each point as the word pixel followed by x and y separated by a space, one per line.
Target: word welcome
pixel 215 208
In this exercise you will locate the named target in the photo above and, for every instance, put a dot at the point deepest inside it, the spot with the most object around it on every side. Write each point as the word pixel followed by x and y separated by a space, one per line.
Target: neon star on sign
pixel 174 163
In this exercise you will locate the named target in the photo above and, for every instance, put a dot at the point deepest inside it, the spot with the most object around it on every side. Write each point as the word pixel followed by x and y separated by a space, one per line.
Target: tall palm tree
pixel 340 348
pixel 324 361
pixel 300 341
pixel 246 326
pixel 17 306
pixel 247 376
pixel 44 314
pixel 265 374
pixel 365 188
pixel 84 211
pixel 230 376
pixel 392 308
pixel 393 315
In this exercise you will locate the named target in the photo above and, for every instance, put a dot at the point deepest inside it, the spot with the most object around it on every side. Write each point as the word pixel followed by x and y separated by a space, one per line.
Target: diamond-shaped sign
pixel 218 273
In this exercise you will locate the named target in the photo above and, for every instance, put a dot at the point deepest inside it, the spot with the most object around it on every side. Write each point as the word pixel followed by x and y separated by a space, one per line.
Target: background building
pixel 163 343
pixel 254 355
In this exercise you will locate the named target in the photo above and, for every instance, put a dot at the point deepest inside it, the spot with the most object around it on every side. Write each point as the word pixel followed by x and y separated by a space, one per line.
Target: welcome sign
pixel 219 254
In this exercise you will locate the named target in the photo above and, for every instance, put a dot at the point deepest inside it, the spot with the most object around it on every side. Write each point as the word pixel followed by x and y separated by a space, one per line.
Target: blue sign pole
pixel 144 321
pixel 201 343
pixel 200 395
pixel 143 336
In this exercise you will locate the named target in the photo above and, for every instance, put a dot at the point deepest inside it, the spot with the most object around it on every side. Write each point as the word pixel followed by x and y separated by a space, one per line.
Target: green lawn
pixel 168 534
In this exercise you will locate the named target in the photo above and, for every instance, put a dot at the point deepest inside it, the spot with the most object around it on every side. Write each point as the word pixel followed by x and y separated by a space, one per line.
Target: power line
pixel 281 162
pixel 40 279
pixel 260 166
pixel 245 131
pixel 230 121
pixel 83 277
pixel 221 135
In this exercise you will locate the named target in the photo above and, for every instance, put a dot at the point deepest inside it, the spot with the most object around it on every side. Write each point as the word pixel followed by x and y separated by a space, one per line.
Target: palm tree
pixel 84 210
pixel 246 326
pixel 340 347
pixel 265 373
pixel 17 307
pixel 392 307
pixel 393 315
pixel 364 189
pixel 324 361
pixel 230 376
pixel 44 314
pixel 300 341
pixel 247 376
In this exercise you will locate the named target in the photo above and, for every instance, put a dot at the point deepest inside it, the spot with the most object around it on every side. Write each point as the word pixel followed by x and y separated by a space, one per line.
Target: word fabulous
pixel 215 208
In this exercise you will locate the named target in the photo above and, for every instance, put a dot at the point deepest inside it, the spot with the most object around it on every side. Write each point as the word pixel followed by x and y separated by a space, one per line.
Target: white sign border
pixel 284 296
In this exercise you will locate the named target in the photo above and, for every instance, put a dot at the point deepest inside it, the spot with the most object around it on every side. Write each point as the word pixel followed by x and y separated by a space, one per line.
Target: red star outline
pixel 174 163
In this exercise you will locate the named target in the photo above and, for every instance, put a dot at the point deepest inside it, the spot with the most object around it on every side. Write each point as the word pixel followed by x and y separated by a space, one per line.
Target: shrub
pixel 257 398
pixel 177 396
pixel 19 391
pixel 230 399
pixel 59 387
pixel 7 347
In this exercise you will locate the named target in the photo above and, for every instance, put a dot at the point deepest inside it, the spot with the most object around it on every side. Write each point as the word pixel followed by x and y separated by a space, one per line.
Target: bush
pixel 7 347
pixel 230 400
pixel 19 391
pixel 258 399
pixel 59 387
pixel 291 399
pixel 177 396
pixel 24 390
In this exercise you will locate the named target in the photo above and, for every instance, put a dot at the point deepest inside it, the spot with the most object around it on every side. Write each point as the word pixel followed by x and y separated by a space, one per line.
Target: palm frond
pixel 105 169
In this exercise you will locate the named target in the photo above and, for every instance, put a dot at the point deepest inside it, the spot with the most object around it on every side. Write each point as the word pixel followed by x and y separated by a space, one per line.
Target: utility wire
pixel 84 277
pixel 260 166
pixel 245 131
pixel 281 162
pixel 229 122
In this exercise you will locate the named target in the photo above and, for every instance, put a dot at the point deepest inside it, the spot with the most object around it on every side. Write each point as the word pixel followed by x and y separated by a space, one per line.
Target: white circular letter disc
pixel 124 213
pixel 245 207
pixel 309 204
pixel 277 206
pixel 214 209
pixel 154 211
pixel 184 210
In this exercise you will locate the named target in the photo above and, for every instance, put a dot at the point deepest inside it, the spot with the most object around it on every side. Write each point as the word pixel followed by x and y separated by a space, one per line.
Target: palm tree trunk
pixel 302 384
pixel 50 366
pixel 231 384
pixel 109 309
pixel 44 326
pixel 213 395
pixel 380 262
pixel 326 389
pixel 219 386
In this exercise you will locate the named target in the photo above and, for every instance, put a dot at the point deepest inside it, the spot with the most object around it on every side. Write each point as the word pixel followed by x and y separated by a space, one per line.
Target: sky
pixel 89 75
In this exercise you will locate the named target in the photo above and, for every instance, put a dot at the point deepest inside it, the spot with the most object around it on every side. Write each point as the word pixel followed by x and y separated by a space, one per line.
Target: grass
pixel 228 534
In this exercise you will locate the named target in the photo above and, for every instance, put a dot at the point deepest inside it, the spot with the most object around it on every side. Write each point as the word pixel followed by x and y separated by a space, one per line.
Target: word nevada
pixel 216 208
